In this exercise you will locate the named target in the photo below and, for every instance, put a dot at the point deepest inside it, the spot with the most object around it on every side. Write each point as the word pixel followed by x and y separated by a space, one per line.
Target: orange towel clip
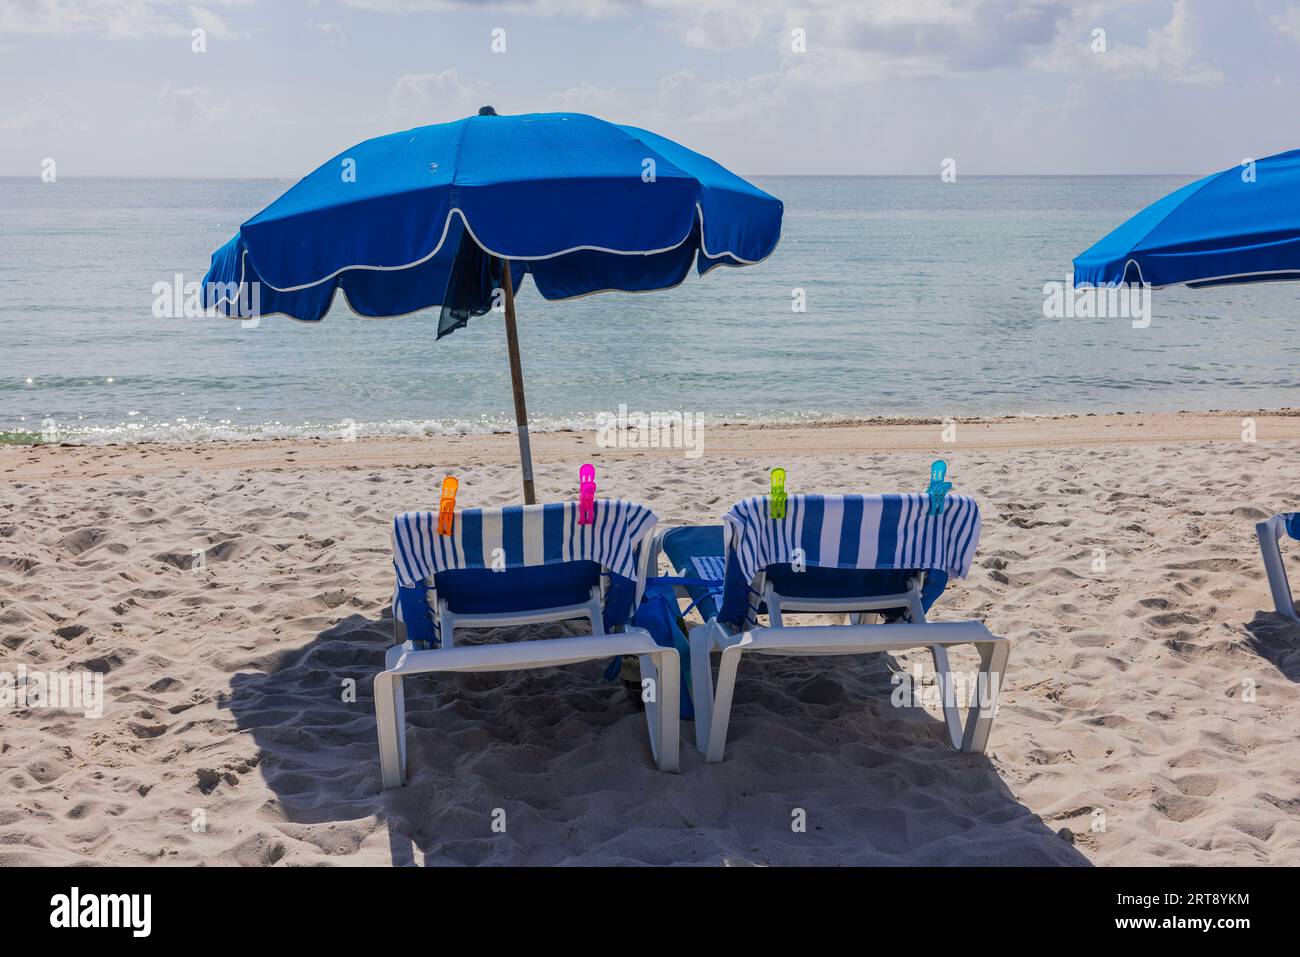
pixel 447 505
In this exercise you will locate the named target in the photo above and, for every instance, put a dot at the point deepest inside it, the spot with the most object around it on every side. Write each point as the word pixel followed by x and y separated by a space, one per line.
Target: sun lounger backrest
pixel 826 542
pixel 520 554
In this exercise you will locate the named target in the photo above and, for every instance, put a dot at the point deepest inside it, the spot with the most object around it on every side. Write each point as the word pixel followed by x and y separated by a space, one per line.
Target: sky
pixel 121 88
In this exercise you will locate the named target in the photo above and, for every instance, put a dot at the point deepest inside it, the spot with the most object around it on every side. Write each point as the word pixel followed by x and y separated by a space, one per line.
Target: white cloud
pixel 722 24
pixel 881 39
pixel 1171 51
pixel 209 21
pixel 116 19
pixel 195 107
pixel 684 95
pixel 583 98
pixel 1289 22
pixel 423 98
pixel 199 108
pixel 331 32
pixel 46 114
pixel 537 8
pixel 884 85
pixel 958 34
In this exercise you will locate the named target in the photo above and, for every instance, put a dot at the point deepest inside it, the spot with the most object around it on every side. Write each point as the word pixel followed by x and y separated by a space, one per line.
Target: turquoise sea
pixel 923 298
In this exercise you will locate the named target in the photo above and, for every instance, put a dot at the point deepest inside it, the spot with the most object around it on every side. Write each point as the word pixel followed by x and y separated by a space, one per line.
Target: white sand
pixel 225 684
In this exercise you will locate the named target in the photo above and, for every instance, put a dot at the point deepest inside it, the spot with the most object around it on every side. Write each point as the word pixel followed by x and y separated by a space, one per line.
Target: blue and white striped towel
pixel 525 534
pixel 712 567
pixel 854 531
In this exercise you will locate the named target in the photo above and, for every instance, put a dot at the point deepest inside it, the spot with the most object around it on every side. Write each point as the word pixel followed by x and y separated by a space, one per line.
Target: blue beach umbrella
pixel 429 218
pixel 1240 225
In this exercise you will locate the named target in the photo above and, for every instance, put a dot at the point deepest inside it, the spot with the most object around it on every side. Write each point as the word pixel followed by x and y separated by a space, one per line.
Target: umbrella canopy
pixel 431 218
pixel 411 220
pixel 1240 225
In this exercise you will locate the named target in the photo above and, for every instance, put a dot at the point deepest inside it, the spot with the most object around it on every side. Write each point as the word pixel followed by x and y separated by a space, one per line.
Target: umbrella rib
pixel 1213 178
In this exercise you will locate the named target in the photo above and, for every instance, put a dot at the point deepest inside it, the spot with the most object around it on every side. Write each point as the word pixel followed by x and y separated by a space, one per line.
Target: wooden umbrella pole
pixel 517 384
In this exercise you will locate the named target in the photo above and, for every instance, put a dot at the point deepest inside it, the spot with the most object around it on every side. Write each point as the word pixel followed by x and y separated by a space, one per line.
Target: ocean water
pixel 923 298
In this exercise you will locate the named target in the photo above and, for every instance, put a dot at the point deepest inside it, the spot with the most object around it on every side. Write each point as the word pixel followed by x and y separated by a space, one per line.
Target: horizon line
pixel 743 175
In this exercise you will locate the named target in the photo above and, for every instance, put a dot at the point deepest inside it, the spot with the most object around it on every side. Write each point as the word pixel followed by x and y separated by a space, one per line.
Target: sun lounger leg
pixel 720 716
pixel 390 719
pixel 705 639
pixel 984 706
pixel 702 644
pixel 947 694
pixel 981 709
pixel 1269 533
pixel 663 710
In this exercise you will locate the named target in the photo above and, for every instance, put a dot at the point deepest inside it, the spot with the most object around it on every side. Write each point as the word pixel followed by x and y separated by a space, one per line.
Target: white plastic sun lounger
pixel 1270 532
pixel 856 555
pixel 548 568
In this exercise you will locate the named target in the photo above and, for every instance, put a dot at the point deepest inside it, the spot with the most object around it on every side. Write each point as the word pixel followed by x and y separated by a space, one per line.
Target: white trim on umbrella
pixel 245 255
pixel 1185 282
pixel 446 227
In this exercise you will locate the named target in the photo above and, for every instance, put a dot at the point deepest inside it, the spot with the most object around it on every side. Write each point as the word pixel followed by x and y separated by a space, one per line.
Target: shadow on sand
pixel 1276 640
pixel 562 758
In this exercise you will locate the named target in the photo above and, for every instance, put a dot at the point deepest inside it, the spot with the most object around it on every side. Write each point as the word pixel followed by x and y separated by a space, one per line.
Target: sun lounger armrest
pixel 827 639
pixel 1273 527
pixel 513 655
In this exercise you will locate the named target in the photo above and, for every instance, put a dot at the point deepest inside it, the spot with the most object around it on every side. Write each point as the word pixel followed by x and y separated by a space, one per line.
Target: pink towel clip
pixel 587 495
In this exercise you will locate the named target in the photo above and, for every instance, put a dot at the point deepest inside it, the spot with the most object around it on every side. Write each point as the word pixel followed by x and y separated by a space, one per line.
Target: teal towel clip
pixel 938 487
